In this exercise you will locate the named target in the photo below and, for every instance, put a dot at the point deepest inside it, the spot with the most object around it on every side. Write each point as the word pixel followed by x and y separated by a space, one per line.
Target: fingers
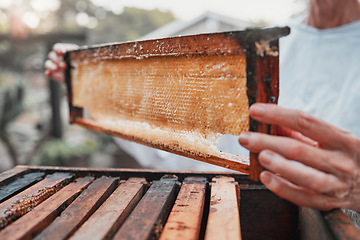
pixel 58 76
pixel 55 64
pixel 287 132
pixel 61 48
pixel 289 148
pixel 327 135
pixel 53 71
pixel 50 65
pixel 302 175
pixel 57 60
pixel 296 194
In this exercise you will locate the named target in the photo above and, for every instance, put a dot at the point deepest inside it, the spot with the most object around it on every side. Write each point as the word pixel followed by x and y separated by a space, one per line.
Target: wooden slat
pixel 150 174
pixel 185 218
pixel 112 213
pixel 23 202
pixel 149 215
pixel 32 223
pixel 341 225
pixel 11 174
pixel 80 210
pixel 224 220
pixel 19 185
pixel 265 81
pixel 331 225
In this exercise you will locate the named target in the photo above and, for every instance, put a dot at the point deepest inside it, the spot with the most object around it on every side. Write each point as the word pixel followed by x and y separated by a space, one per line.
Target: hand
pixel 328 176
pixel 55 64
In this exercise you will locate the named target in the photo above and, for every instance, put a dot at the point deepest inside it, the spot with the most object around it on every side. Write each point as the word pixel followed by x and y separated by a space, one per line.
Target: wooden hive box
pixel 75 203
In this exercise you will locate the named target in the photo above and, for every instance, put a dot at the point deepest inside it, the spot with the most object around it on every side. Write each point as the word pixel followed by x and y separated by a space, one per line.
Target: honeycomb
pixel 184 103
pixel 24 205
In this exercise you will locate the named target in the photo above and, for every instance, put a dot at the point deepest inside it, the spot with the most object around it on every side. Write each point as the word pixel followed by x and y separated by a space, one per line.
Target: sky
pixel 271 11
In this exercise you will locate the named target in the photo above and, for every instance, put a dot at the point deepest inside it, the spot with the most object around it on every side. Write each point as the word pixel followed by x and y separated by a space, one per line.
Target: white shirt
pixel 320 74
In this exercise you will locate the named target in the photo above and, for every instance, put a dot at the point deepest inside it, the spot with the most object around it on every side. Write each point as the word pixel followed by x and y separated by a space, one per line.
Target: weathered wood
pixel 225 160
pixel 113 212
pixel 265 216
pixel 12 174
pixel 340 225
pixel 23 202
pixel 79 210
pixel 148 217
pixel 185 218
pixel 223 220
pixel 32 223
pixel 148 174
pixel 19 185
pixel 329 225
pixel 264 85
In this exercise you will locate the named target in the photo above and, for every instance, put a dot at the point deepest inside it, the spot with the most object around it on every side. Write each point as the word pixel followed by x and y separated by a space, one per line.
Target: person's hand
pixel 328 176
pixel 55 65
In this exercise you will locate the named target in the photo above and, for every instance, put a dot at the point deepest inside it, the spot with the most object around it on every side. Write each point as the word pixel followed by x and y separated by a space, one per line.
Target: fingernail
pixel 257 110
pixel 62 49
pixel 265 178
pixel 244 138
pixel 265 158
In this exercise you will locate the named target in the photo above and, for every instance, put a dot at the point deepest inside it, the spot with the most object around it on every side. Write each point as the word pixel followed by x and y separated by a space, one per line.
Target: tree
pixel 131 24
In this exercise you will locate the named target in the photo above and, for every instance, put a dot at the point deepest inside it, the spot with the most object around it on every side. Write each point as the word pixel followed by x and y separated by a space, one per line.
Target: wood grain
pixel 328 225
pixel 19 184
pixel 264 87
pixel 79 210
pixel 185 218
pixel 12 174
pixel 147 219
pixel 113 212
pixel 225 160
pixel 23 202
pixel 32 223
pixel 224 220
pixel 340 225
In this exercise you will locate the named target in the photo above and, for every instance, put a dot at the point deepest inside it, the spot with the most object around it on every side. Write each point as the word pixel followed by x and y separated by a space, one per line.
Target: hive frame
pixel 261 47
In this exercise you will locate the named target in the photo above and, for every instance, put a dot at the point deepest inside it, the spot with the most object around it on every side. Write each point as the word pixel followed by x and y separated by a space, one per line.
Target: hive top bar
pixel 178 94
pixel 181 45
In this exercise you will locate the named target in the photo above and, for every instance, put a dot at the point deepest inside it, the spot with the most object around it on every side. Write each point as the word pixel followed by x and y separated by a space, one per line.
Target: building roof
pixel 207 22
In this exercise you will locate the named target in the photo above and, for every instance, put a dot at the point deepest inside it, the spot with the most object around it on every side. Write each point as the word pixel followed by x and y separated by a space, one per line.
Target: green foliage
pixel 57 152
pixel 129 25
pixel 103 27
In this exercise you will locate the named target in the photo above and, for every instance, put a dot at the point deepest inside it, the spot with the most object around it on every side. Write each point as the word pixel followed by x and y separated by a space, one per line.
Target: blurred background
pixel 34 125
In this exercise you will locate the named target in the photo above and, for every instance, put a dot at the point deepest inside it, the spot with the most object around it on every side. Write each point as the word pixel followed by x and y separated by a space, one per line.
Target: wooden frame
pixel 260 47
